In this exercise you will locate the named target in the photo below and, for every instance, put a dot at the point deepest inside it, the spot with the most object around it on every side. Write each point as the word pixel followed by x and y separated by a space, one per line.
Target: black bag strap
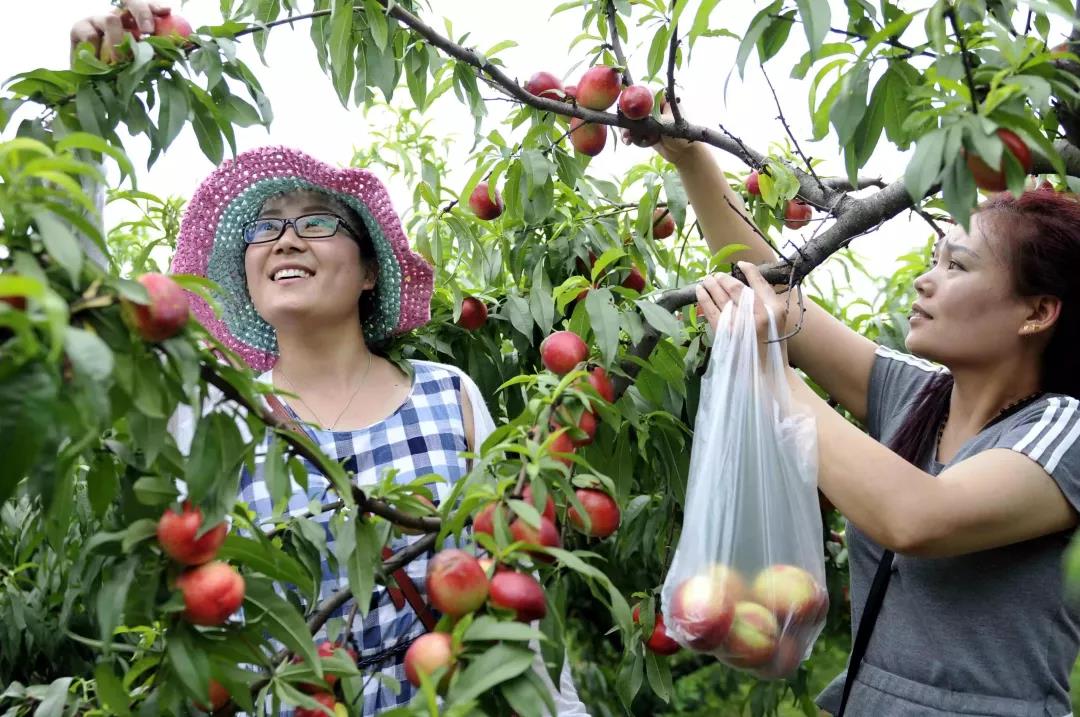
pixel 876 596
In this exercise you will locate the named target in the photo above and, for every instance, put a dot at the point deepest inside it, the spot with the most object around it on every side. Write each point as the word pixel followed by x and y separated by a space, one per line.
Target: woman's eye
pixel 953 264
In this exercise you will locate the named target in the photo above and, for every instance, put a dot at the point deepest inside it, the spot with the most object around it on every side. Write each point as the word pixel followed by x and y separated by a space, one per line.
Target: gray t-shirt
pixel 987 633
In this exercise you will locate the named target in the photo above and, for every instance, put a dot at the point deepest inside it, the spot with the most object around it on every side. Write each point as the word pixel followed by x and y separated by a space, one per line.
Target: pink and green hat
pixel 211 244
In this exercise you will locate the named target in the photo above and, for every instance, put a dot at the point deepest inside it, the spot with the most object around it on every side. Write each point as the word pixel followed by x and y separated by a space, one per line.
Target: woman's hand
pixel 106 31
pixel 672 149
pixel 718 290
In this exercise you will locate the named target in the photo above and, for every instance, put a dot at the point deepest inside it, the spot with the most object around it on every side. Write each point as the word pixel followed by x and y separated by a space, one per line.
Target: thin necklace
pixel 945 419
pixel 347 403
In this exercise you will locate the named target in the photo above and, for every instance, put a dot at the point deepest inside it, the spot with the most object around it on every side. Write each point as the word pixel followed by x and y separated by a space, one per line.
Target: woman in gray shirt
pixel 974 620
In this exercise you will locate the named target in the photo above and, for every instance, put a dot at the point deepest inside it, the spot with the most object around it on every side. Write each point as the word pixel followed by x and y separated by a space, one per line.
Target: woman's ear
pixel 371 276
pixel 1043 311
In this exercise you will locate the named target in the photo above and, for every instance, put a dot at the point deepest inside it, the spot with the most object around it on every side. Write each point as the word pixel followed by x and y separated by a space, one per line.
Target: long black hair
pixel 1040 234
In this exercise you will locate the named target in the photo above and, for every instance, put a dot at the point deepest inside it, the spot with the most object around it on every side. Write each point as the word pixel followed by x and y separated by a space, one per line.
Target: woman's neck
pixel 980 393
pixel 322 358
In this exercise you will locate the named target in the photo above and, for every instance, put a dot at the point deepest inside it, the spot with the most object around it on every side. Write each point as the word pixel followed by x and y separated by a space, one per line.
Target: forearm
pixel 873 487
pixel 707 188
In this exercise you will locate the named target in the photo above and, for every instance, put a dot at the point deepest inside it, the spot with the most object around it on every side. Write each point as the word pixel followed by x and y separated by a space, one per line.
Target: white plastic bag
pixel 747 583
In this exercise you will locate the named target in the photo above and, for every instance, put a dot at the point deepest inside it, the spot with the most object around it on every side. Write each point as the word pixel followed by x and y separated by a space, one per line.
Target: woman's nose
pixel 289 241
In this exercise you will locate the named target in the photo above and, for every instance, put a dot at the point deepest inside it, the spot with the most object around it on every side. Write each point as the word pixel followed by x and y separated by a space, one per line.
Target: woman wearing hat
pixel 316 274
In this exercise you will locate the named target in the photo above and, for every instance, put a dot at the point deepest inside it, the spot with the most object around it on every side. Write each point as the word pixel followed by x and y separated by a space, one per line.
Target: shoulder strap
pixel 866 624
pixel 876 596
pixel 406 588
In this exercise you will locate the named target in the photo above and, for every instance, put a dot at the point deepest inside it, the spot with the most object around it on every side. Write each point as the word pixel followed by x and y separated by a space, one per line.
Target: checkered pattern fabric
pixel 425 435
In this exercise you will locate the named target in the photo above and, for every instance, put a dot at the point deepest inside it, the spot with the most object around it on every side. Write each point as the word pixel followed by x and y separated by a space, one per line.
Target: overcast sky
pixel 35 35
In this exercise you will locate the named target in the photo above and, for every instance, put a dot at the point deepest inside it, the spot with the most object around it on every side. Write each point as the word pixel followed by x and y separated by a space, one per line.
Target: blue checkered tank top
pixel 426 434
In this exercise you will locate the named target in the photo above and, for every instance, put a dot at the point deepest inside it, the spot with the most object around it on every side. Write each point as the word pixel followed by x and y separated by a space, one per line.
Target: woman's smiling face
pixel 303 280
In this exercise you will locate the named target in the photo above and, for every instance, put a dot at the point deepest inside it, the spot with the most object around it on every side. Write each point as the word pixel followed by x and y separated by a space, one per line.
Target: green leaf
pixel 110 690
pixel 363 559
pixel 541 303
pixel 88 353
pixel 208 133
pixel 658 49
pixel 701 20
pixel 774 37
pixel 501 663
pixel 54 702
pixel 265 558
pixel 816 16
pixel 486 628
pixel 175 106
pixel 60 243
pixel 758 26
pixel 28 397
pixel 923 169
pixel 377 23
pixel 189 662
pixel 661 319
pixel 604 318
pixel 850 106
pixel 520 315
pixel 216 450
pixel 112 597
pixel 281 620
pixel 659 675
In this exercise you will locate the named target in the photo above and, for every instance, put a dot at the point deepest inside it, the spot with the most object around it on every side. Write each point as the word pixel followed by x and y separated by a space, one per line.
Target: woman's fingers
pixel 85 31
pixel 143 14
pixel 754 278
pixel 707 306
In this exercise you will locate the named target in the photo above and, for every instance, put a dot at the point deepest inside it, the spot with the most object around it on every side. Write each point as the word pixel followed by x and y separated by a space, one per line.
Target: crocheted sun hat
pixel 211 244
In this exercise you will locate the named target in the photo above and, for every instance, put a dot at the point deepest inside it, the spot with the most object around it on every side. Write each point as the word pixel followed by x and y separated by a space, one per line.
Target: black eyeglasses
pixel 309 226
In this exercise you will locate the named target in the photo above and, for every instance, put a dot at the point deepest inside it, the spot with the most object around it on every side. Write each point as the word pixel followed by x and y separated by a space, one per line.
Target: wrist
pixel 692 154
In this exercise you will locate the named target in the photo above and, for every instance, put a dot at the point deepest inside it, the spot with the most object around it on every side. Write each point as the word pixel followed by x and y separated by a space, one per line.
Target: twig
pixel 842 184
pixel 968 76
pixel 749 223
pixel 401 558
pixel 892 41
pixel 929 220
pixel 673 48
pixel 616 44
pixel 787 128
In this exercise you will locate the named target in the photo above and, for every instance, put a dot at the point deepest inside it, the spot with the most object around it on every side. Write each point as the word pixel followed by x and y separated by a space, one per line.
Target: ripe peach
pixel 752 640
pixel 549 505
pixel 212 592
pixel 603 511
pixel 663 223
pixel 659 641
pixel 165 315
pixel 519 592
pixel 456 583
pixel 547 535
pixel 176 535
pixel 428 654
pixel 789 592
pixel 703 607
pixel 994 179
pixel 753 185
pixel 598 87
pixel 562 351
pixel 797 214
pixel 484 205
pixel 545 84
pixel 587 137
pixel 634 280
pixel 599 380
pixel 474 314
pixel 636 102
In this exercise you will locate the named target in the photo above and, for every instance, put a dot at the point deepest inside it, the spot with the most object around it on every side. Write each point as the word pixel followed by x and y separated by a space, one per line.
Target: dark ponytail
pixel 1039 233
